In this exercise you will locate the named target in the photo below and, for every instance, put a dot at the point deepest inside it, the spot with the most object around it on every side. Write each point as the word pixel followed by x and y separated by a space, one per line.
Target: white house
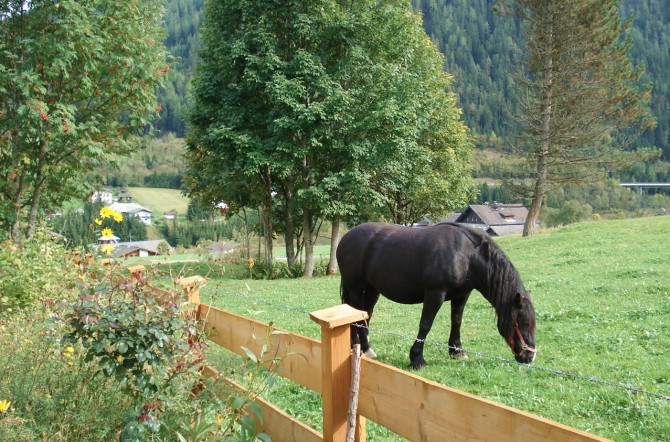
pixel 102 196
pixel 132 209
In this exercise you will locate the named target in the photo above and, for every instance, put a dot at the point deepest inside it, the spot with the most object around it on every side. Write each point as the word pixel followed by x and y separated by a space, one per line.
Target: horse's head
pixel 519 328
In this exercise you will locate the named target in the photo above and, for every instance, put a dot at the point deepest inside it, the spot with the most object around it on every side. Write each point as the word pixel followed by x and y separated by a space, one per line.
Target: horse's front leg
pixel 431 305
pixel 457 306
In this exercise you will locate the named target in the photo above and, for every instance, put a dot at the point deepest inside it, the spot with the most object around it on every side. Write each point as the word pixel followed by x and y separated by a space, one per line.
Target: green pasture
pixel 601 291
pixel 160 200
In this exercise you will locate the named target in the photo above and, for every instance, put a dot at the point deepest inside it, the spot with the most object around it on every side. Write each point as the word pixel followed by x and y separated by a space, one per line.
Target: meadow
pixel 601 292
pixel 160 200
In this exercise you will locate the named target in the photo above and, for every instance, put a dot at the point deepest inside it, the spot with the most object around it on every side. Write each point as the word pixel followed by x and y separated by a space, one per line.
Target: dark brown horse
pixel 431 265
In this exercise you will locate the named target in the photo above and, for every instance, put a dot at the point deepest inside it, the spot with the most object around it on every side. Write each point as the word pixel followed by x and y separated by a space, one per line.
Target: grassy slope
pixel 160 200
pixel 602 295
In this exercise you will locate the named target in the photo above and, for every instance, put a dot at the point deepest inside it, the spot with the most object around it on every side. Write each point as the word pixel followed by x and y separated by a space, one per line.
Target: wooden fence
pixel 409 405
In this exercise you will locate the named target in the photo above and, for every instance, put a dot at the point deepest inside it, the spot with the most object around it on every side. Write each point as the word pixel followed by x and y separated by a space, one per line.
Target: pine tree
pixel 581 104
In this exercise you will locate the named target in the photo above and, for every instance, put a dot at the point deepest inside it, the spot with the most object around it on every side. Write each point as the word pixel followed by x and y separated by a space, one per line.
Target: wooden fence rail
pixel 407 404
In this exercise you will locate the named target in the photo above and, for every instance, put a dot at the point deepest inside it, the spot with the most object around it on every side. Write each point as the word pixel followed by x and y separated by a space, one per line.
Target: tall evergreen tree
pixel 581 102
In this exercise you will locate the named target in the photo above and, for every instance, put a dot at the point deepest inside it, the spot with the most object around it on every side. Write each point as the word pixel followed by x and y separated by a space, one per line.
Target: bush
pixel 106 360
pixel 33 271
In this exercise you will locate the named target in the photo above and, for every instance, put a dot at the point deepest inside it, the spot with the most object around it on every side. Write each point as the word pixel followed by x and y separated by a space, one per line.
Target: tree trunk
pixel 334 241
pixel 531 224
pixel 266 215
pixel 541 180
pixel 37 191
pixel 289 226
pixel 308 236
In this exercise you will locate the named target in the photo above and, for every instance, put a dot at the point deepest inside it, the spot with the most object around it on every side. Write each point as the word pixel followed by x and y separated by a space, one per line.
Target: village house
pixel 102 196
pixel 495 219
pixel 142 248
pixel 132 209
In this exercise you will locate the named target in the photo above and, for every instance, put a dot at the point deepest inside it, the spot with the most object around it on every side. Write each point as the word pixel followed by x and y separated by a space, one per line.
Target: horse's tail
pixel 342 293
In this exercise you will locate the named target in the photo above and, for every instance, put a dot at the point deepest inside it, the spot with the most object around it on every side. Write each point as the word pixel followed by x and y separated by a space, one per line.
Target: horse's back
pixel 402 262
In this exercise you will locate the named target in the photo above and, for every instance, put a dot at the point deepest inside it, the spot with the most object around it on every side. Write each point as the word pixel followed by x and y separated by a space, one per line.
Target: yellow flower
pixel 4 405
pixel 118 217
pixel 219 419
pixel 107 233
pixel 108 249
pixel 106 212
pixel 98 221
pixel 69 349
pixel 119 358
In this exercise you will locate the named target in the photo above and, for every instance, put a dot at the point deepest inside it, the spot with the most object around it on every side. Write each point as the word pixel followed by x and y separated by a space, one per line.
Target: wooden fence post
pixel 336 368
pixel 191 287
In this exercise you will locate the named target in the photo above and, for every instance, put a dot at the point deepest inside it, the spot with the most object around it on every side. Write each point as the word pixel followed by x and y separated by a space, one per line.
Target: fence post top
pixel 192 281
pixel 342 314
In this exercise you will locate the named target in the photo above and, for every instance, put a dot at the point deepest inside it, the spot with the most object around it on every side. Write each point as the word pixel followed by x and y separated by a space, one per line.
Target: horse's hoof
pixel 417 364
pixel 370 353
pixel 459 356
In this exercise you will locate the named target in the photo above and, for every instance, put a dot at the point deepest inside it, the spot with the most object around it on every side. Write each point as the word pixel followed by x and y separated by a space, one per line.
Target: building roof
pixel 497 214
pixel 152 246
pixel 505 230
pixel 128 208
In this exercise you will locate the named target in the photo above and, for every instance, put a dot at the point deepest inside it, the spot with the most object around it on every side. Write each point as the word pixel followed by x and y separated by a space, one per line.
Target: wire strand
pixel 397 335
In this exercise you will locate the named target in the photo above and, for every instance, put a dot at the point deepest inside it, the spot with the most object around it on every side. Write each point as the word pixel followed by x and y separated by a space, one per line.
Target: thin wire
pixel 592 379
pixel 532 367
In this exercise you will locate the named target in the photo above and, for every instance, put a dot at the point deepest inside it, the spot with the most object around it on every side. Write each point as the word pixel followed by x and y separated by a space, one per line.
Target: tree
pixel 313 109
pixel 77 81
pixel 581 102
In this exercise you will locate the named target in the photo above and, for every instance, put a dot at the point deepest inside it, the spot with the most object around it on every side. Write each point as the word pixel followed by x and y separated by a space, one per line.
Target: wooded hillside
pixel 481 50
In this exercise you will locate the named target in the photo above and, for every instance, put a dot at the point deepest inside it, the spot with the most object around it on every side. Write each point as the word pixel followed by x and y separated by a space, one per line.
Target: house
pixel 495 219
pixel 223 208
pixel 125 196
pixel 113 239
pixel 102 196
pixel 132 209
pixel 170 215
pixel 142 248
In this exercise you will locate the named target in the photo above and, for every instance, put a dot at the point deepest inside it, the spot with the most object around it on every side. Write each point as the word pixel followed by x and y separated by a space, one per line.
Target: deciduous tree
pixel 77 87
pixel 330 109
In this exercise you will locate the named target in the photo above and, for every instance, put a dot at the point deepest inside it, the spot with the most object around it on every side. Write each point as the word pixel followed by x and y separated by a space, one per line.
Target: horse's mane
pixel 502 279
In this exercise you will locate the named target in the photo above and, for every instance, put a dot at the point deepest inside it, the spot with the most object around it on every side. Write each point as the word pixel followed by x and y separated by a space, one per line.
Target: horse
pixel 431 265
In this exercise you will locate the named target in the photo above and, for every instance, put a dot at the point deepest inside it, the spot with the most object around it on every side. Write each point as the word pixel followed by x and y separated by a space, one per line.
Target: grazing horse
pixel 431 265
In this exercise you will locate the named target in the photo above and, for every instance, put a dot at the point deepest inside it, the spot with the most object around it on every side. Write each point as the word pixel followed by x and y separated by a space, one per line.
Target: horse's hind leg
pixel 370 299
pixel 357 296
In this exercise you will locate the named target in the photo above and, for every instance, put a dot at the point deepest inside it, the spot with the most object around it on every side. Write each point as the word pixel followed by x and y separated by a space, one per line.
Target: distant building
pixel 170 215
pixel 108 240
pixel 102 196
pixel 495 219
pixel 142 248
pixel 125 196
pixel 132 209
pixel 223 208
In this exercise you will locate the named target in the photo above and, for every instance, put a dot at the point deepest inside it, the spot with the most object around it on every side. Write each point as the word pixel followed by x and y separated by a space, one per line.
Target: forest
pixel 481 50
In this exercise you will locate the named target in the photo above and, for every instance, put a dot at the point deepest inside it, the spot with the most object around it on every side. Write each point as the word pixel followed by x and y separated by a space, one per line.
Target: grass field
pixel 160 200
pixel 601 291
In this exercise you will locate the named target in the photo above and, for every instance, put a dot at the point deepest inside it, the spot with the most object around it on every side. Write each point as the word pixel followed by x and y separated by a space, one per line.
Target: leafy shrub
pixel 33 271
pixel 54 393
pixel 145 342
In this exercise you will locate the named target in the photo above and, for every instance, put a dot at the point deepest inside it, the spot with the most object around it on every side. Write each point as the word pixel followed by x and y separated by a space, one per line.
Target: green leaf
pixel 123 347
pixel 250 354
